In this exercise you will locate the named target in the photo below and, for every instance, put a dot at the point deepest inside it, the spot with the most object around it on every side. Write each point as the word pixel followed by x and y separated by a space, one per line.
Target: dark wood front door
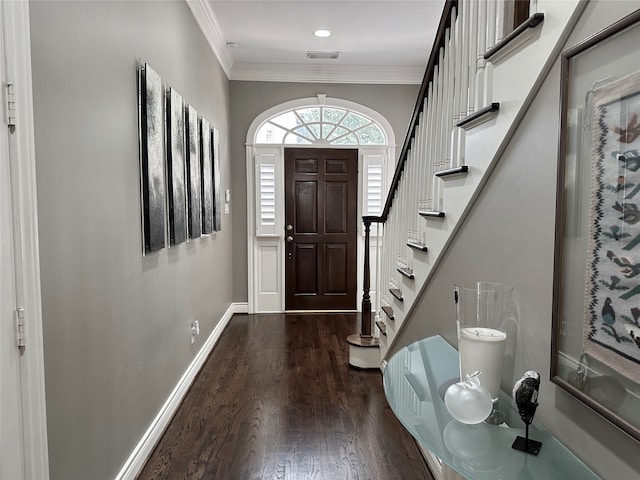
pixel 320 228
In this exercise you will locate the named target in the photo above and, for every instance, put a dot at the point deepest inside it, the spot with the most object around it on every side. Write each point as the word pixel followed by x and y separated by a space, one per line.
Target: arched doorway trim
pixel 302 123
pixel 320 101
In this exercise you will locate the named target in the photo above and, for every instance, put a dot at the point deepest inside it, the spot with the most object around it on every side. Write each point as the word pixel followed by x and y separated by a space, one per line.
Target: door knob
pixel 289 228
pixel 289 238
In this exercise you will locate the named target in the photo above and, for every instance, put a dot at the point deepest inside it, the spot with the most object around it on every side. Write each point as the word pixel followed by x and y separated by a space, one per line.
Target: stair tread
pixel 479 117
pixel 421 247
pixel 397 293
pixel 407 272
pixel 382 327
pixel 431 213
pixel 532 22
pixel 388 311
pixel 453 172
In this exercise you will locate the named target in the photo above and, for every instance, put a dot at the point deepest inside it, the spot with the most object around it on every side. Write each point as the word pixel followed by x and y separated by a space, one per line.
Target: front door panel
pixel 320 208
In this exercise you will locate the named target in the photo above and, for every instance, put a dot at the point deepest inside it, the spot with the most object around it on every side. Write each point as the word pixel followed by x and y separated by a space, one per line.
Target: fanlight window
pixel 321 125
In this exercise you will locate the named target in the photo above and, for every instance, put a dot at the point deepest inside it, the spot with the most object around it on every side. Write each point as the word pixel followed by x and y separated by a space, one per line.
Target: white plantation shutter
pixel 375 186
pixel 267 194
pixel 374 190
pixel 266 184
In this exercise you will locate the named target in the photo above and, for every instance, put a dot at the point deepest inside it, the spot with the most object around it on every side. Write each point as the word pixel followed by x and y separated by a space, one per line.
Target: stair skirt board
pixel 142 451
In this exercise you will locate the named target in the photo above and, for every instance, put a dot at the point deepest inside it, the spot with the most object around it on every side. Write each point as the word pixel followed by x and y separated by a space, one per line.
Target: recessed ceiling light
pixel 322 33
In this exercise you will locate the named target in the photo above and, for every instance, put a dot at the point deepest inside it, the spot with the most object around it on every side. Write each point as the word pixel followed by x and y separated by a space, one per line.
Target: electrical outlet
pixel 195 330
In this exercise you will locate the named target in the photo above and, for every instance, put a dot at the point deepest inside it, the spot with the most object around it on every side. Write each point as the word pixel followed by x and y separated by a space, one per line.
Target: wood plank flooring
pixel 276 399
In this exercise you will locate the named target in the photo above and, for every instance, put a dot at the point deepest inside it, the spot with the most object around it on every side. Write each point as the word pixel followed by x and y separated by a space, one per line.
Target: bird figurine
pixel 525 393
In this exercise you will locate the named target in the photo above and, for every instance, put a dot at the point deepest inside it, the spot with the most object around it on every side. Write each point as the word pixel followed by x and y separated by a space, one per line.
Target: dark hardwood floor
pixel 276 399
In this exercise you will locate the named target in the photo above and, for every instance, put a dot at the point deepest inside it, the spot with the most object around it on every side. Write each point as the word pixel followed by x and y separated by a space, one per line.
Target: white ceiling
pixel 380 41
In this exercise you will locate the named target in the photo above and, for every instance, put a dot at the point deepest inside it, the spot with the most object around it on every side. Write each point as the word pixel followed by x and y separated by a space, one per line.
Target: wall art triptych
pixel 179 166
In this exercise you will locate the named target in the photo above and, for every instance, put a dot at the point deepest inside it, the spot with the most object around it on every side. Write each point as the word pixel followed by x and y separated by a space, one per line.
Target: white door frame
pixel 266 289
pixel 15 54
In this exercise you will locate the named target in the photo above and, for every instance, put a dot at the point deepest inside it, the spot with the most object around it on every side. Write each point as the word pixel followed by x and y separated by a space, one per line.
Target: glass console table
pixel 413 383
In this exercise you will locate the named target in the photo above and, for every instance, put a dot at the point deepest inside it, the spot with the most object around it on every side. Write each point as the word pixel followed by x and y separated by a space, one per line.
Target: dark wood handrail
pixel 445 22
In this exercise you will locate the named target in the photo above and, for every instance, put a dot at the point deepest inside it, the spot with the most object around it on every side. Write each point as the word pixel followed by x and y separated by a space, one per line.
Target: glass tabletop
pixel 414 382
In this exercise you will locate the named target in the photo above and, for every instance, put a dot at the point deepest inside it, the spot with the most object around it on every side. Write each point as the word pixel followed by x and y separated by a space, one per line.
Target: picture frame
pixel 595 345
pixel 151 143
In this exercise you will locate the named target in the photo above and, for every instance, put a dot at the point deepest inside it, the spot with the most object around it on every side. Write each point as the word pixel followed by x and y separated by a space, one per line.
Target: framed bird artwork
pixel 596 306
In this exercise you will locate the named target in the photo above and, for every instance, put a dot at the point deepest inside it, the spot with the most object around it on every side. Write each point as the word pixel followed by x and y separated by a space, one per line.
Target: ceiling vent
pixel 323 55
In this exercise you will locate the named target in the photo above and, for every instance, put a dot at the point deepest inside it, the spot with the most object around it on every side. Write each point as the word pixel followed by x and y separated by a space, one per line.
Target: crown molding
pixel 289 72
pixel 211 29
pixel 323 73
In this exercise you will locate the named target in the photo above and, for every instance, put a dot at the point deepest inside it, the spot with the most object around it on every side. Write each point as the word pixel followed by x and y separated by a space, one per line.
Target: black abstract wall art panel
pixel 176 168
pixel 217 214
pixel 207 176
pixel 151 129
pixel 194 179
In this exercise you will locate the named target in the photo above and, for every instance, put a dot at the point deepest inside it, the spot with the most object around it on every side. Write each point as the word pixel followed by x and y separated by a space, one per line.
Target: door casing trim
pixel 276 242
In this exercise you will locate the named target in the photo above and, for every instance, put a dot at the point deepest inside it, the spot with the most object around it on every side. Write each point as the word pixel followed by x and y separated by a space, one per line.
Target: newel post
pixel 365 327
pixel 364 348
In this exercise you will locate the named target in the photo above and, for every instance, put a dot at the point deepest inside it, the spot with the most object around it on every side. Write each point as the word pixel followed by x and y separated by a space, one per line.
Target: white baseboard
pixel 240 307
pixel 147 443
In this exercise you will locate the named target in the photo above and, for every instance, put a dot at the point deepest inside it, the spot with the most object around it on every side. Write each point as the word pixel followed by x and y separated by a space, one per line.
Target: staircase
pixel 488 61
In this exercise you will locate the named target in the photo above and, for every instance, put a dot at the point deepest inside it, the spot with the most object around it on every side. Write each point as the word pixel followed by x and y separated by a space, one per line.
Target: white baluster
pixel 464 57
pixel 424 180
pixel 457 94
pixel 415 165
pixel 465 34
pixel 438 131
pixel 389 254
pixel 406 202
pixel 402 233
pixel 491 23
pixel 473 49
pixel 500 14
pixel 491 41
pixel 394 245
pixel 449 95
pixel 433 89
pixel 379 265
pixel 481 49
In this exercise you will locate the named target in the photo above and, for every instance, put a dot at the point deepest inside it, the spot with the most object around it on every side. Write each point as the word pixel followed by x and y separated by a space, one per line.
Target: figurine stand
pixel 525 444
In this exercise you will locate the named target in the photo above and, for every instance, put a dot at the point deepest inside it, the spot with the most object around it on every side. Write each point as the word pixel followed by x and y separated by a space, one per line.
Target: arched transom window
pixel 321 125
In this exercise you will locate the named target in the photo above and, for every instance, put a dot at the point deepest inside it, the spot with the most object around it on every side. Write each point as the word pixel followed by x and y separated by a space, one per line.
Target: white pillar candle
pixel 482 349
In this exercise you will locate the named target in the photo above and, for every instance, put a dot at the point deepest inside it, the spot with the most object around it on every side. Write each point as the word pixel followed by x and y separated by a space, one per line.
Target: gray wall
pixel 509 238
pixel 250 99
pixel 116 325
